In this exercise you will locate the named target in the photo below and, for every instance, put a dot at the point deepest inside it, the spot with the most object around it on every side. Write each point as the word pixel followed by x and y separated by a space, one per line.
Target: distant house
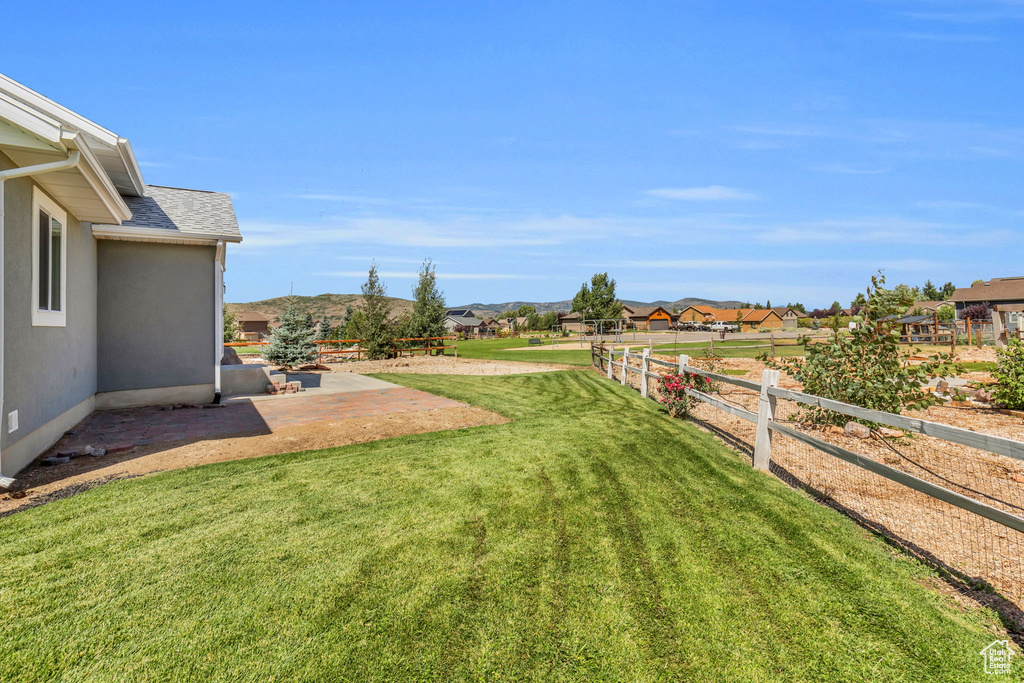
pixel 253 326
pixel 1005 294
pixel 930 307
pixel 697 314
pixel 650 318
pixel 518 323
pixel 790 317
pixel 571 322
pixel 462 317
pixel 758 318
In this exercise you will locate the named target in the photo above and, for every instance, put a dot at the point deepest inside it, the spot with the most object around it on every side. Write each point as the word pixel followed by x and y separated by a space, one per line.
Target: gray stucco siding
pixel 156 308
pixel 47 370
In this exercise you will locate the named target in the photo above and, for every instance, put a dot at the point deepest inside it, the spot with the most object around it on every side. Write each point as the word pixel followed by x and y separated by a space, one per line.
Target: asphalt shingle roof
pixel 996 289
pixel 189 211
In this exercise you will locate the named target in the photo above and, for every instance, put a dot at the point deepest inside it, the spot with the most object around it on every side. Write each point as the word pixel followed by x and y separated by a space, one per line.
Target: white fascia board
pixel 12 136
pixel 92 170
pixel 130 163
pixel 51 109
pixel 141 234
pixel 30 121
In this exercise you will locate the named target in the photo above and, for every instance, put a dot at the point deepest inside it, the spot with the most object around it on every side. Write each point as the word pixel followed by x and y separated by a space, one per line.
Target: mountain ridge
pixel 333 306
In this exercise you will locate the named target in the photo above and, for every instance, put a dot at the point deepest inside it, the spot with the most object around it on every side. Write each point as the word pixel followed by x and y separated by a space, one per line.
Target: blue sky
pixel 751 150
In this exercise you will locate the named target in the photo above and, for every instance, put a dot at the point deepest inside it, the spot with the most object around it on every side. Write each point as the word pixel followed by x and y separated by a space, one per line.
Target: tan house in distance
pixel 697 314
pixel 649 318
pixel 253 326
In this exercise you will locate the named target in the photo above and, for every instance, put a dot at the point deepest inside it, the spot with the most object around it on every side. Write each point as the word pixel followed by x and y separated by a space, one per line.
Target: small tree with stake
pixel 292 344
pixel 866 368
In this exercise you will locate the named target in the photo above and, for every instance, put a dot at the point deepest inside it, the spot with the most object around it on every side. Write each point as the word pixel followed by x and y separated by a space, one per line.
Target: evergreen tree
pixel 930 293
pixel 377 336
pixel 429 307
pixel 292 343
pixel 325 330
pixel 947 290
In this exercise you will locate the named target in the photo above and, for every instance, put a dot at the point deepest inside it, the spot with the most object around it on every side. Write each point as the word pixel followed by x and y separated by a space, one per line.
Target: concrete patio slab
pixel 319 383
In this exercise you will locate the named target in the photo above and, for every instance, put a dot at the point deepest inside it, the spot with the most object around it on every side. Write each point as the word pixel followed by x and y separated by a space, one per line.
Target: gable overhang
pixel 30 139
pixel 42 115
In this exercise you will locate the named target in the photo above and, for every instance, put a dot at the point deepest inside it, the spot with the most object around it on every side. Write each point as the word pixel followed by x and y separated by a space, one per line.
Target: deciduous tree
pixel 597 301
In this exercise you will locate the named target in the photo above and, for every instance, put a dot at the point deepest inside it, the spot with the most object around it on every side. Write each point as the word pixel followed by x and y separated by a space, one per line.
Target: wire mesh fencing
pixel 969 546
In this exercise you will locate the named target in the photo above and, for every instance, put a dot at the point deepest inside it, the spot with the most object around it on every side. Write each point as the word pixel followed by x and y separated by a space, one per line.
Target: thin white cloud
pixel 472 232
pixel 752 264
pixel 441 275
pixel 342 198
pixel 947 37
pixel 711 193
pixel 845 169
pixel 786 131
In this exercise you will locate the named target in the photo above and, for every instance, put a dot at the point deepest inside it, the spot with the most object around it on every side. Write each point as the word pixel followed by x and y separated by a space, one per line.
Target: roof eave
pixel 96 176
pixel 133 233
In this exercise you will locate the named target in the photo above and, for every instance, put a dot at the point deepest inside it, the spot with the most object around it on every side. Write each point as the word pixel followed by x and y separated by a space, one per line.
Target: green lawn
pixel 497 349
pixel 726 349
pixel 591 539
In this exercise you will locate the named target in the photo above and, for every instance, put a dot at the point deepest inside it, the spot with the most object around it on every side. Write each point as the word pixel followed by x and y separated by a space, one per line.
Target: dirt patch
pixel 45 484
pixel 447 365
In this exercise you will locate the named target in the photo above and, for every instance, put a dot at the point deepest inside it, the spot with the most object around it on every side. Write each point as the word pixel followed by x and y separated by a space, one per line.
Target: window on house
pixel 49 247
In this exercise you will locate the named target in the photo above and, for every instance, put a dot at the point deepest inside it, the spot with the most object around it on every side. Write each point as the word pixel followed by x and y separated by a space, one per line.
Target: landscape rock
pixel 230 357
pixel 888 433
pixel 942 387
pixel 857 430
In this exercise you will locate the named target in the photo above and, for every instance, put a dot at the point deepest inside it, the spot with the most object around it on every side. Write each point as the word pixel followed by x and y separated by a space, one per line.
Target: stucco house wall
pixel 49 372
pixel 156 308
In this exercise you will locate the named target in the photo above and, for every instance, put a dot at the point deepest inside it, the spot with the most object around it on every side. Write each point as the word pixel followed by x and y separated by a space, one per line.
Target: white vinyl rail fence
pixel 616 364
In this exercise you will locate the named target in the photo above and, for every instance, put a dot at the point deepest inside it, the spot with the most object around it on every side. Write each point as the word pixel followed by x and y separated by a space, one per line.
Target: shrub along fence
pixel 951 496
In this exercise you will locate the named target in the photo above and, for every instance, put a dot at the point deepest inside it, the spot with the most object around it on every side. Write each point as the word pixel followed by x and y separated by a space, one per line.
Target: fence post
pixel 625 362
pixel 611 360
pixel 765 414
pixel 712 347
pixel 684 360
pixel 773 344
pixel 644 365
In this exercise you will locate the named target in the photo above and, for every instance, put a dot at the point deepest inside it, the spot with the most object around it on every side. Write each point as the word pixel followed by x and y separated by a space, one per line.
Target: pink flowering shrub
pixel 673 391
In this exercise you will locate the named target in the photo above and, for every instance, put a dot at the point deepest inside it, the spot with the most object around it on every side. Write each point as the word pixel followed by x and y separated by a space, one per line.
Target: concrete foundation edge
pixel 132 398
pixel 20 453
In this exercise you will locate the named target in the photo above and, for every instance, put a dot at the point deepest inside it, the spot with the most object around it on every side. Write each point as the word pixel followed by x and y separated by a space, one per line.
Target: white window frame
pixel 49 318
